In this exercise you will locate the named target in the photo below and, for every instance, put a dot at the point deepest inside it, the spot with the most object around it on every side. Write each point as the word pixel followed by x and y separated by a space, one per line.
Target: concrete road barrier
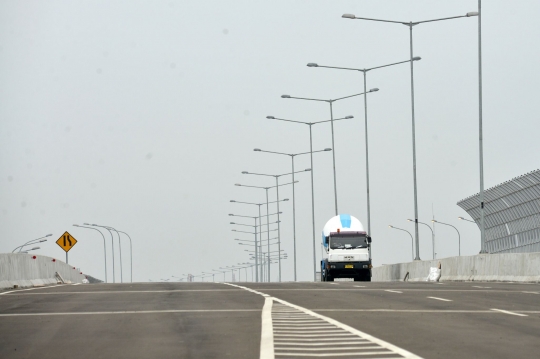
pixel 28 270
pixel 506 267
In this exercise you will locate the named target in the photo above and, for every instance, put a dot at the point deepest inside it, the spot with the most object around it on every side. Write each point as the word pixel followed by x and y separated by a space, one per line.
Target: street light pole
pixel 412 240
pixel 432 235
pixel 277 201
pixel 112 246
pixel 310 124
pixel 480 132
pixel 410 24
pixel 130 255
pixel 364 71
pixel 292 156
pixel 104 247
pixel 330 102
pixel 459 235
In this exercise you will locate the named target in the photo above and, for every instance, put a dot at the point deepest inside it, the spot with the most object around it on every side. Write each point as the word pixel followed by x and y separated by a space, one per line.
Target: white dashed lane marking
pixel 437 298
pixel 508 312
pixel 393 291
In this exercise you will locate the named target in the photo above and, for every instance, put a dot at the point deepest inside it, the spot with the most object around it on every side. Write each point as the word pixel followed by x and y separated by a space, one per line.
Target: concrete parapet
pixel 23 270
pixel 506 267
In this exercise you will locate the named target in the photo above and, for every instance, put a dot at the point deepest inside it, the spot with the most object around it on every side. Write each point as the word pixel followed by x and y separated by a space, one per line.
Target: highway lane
pixel 432 320
pixel 167 321
pixel 213 320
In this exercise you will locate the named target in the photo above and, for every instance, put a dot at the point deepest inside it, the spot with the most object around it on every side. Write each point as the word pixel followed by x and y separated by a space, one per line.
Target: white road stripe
pixel 508 312
pixel 328 327
pixel 360 286
pixel 116 291
pixel 333 348
pixel 323 339
pixel 314 335
pixel 405 310
pixel 332 354
pixel 267 332
pixel 393 291
pixel 532 292
pixel 330 332
pixel 350 342
pixel 477 286
pixel 129 312
pixel 437 298
pixel 23 290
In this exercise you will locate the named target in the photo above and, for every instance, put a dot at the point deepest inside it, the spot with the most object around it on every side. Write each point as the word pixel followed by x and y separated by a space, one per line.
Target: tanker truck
pixel 346 251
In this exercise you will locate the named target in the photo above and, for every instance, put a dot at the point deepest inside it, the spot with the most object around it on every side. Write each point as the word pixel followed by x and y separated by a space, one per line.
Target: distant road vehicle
pixel 346 250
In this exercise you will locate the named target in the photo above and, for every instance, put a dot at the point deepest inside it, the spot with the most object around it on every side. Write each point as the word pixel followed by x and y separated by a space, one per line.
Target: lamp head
pixel 245 172
pixel 348 16
pixel 75 225
pixel 390 226
pixel 232 222
pixel 328 149
pixel 286 199
pixel 410 220
pixel 48 235
pixel 312 64
pixel 232 200
pixel 307 169
pixel 374 90
pixel 347 117
pixel 461 218
pixel 237 184
pixel 270 117
pixel 285 96
pixel 472 13
pixel 257 149
pixel 417 58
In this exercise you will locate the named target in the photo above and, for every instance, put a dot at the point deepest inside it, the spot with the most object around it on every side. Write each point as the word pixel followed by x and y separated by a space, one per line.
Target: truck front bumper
pixel 347 269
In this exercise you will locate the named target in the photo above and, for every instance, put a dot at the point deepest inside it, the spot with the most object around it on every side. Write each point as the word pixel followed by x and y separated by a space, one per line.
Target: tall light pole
pixel 260 222
pixel 260 232
pixel 480 133
pixel 112 247
pixel 459 235
pixel 119 248
pixel 267 211
pixel 277 195
pixel 410 24
pixel 412 240
pixel 432 235
pixel 364 71
pixel 331 102
pixel 310 124
pixel 292 155
pixel 130 255
pixel 104 247
pixel 33 241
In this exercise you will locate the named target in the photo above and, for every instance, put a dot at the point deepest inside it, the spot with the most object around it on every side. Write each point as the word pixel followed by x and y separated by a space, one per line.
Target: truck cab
pixel 347 250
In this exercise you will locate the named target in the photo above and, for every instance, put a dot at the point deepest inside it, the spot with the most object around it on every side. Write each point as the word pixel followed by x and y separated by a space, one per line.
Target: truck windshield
pixel 348 242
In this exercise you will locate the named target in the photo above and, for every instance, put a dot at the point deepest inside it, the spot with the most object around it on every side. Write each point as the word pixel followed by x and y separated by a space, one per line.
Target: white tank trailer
pixel 347 249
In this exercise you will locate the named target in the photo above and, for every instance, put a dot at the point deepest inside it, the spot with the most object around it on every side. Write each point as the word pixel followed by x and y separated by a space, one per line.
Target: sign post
pixel 66 242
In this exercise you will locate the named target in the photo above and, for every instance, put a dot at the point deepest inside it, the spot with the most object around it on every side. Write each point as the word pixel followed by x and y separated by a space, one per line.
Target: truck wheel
pixel 329 278
pixel 358 278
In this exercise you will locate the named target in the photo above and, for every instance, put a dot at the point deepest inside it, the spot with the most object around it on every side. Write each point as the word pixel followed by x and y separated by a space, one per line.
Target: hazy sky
pixel 141 115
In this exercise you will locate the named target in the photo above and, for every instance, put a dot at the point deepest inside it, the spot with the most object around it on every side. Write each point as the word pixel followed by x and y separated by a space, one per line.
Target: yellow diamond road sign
pixel 66 241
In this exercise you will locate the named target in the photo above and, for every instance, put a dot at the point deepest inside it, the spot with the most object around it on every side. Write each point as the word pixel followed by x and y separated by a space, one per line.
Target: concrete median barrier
pixel 27 270
pixel 507 267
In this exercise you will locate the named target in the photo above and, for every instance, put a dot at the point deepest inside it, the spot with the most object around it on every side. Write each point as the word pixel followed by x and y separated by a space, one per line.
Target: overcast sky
pixel 141 115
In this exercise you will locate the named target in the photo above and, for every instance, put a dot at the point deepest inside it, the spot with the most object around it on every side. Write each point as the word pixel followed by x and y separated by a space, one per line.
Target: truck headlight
pixel 332 266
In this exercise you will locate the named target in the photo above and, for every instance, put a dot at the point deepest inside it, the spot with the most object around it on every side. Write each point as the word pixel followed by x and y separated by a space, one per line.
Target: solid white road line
pixel 393 291
pixel 405 310
pixel 477 286
pixel 333 348
pixel 359 286
pixel 437 298
pixel 116 291
pixel 24 290
pixel 267 332
pixel 350 342
pixel 334 354
pixel 508 312
pixel 129 312
pixel 532 292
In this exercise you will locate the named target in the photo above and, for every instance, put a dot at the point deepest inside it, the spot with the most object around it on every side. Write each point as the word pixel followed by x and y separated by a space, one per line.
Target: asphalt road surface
pixel 271 320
